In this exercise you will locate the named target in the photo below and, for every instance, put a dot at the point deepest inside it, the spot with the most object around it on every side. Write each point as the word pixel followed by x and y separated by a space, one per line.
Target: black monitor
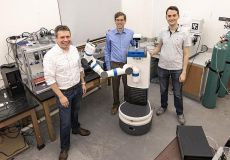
pixel 11 77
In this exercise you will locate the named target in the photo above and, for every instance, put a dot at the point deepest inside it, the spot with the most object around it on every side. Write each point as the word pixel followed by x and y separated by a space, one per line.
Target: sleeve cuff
pixel 49 82
pixel 81 69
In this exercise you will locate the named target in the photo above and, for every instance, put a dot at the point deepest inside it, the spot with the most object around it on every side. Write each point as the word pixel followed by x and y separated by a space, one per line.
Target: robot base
pixel 135 119
pixel 135 130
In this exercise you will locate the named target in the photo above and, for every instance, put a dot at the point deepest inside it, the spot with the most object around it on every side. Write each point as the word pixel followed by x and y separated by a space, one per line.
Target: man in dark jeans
pixel 64 73
pixel 117 43
pixel 174 43
pixel 164 76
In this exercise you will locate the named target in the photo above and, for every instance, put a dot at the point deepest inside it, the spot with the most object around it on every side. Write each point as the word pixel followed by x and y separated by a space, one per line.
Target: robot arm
pixel 92 62
pixel 117 71
pixel 89 59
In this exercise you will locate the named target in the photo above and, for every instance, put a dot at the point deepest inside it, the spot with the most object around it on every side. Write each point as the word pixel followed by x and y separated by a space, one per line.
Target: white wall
pixel 210 11
pixel 143 16
pixel 87 21
pixel 19 16
pixel 148 16
pixel 139 16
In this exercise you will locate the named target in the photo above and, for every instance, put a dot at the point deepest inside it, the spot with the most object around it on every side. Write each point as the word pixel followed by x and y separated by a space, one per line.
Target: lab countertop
pixel 201 59
pixel 14 104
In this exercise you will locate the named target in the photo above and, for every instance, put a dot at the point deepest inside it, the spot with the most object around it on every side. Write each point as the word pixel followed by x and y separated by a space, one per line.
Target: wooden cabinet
pixel 93 84
pixel 196 76
pixel 195 81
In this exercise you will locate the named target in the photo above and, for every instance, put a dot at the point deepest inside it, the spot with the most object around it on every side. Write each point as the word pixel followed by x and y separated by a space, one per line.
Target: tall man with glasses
pixel 118 41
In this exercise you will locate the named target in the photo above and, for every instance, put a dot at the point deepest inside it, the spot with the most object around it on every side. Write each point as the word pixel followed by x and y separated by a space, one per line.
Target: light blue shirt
pixel 117 45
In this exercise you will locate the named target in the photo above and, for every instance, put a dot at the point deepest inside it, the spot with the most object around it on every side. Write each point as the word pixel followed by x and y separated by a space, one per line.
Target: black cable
pixel 9 49
pixel 16 42
pixel 18 61
pixel 44 29
pixel 19 127
pixel 9 131
pixel 25 37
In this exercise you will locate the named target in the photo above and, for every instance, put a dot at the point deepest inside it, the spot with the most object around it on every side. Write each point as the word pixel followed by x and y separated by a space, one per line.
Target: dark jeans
pixel 164 76
pixel 116 84
pixel 69 116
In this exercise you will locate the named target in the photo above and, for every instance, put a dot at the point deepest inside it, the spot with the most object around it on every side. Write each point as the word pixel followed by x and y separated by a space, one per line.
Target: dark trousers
pixel 164 76
pixel 69 116
pixel 116 84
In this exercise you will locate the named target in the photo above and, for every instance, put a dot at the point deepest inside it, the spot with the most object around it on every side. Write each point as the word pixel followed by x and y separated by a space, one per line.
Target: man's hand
pixel 151 53
pixel 64 101
pixel 83 88
pixel 182 77
pixel 156 50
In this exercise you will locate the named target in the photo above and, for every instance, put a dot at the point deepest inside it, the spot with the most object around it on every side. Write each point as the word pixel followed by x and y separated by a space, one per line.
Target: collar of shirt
pixel 60 50
pixel 117 32
pixel 177 30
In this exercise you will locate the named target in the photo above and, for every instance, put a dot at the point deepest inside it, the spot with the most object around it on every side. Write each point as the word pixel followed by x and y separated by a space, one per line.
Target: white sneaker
pixel 160 111
pixel 181 119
